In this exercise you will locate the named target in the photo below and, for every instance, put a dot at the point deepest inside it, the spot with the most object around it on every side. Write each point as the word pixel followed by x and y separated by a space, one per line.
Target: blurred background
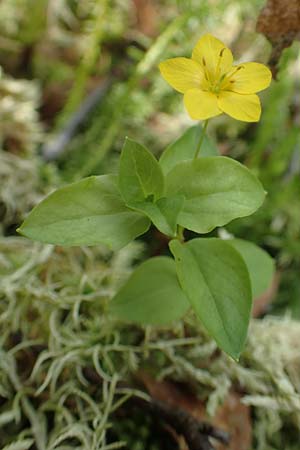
pixel 77 77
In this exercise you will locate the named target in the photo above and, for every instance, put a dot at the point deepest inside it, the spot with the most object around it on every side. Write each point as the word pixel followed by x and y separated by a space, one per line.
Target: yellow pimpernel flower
pixel 212 85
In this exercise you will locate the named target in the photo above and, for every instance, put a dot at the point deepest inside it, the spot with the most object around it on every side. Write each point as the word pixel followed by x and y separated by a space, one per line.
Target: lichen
pixel 55 329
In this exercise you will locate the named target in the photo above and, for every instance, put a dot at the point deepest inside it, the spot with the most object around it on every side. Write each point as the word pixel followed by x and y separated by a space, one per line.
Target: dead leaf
pixel 233 416
pixel 279 21
pixel 146 16
pixel 261 303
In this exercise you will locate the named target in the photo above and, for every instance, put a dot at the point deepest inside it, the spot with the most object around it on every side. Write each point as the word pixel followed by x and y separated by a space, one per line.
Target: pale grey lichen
pixel 55 326
pixel 20 129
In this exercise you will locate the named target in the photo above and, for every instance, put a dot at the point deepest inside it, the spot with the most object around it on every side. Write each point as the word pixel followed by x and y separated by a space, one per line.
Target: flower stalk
pixel 201 139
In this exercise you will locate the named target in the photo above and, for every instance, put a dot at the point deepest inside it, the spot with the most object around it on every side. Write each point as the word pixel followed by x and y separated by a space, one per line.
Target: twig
pixel 52 149
pixel 196 434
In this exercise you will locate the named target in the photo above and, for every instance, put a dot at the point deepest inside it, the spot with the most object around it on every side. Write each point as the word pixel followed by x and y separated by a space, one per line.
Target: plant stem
pixel 201 139
pixel 180 231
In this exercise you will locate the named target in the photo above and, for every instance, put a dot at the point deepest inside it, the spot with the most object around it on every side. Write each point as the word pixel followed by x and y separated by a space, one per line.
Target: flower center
pixel 216 87
pixel 215 81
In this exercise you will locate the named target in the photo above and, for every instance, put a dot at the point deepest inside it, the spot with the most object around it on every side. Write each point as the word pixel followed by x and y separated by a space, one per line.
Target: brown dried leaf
pixel 147 17
pixel 279 21
pixel 169 393
pixel 261 303
pixel 279 18
pixel 232 416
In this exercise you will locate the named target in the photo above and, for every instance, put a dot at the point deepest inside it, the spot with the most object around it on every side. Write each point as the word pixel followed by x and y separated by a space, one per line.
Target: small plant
pixel 191 187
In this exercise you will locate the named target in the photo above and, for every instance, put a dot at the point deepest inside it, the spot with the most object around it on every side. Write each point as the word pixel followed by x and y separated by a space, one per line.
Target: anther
pixel 203 61
pixel 230 75
pixel 221 52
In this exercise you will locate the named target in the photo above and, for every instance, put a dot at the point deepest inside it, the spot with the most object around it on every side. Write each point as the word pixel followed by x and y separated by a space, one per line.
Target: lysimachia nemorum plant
pixel 191 187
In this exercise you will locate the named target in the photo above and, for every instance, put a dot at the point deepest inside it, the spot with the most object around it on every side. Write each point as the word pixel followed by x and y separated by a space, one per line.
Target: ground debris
pixel 231 425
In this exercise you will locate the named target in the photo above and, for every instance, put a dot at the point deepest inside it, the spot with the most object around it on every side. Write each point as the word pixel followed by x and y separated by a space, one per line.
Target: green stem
pixel 201 139
pixel 180 229
pixel 180 235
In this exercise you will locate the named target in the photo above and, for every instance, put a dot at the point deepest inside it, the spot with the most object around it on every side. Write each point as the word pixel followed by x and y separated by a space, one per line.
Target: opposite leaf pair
pixel 142 186
pixel 197 194
pixel 92 211
pixel 178 191
pixel 113 210
pixel 216 278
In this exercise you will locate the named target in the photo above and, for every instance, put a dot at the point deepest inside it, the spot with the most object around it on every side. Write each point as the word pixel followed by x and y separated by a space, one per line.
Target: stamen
pixel 219 61
pixel 205 70
pixel 230 75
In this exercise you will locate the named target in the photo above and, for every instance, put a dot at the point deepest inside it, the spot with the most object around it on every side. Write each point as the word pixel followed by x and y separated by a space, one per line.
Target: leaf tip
pixel 20 230
pixel 236 358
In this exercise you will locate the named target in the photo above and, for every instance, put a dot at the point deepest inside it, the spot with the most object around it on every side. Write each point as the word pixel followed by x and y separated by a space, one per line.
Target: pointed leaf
pixel 184 148
pixel 260 265
pixel 88 212
pixel 152 295
pixel 216 281
pixel 140 175
pixel 216 190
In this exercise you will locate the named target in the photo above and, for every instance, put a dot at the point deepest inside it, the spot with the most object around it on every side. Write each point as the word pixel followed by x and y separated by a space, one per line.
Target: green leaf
pixel 140 175
pixel 185 148
pixel 88 212
pixel 152 295
pixel 216 190
pixel 216 281
pixel 260 265
pixel 163 213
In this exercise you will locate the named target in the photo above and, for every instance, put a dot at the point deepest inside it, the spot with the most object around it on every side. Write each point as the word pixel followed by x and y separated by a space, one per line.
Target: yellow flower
pixel 212 85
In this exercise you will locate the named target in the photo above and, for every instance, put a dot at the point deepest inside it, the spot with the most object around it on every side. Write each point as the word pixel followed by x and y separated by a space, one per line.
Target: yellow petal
pixel 213 55
pixel 182 73
pixel 201 105
pixel 240 106
pixel 251 78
